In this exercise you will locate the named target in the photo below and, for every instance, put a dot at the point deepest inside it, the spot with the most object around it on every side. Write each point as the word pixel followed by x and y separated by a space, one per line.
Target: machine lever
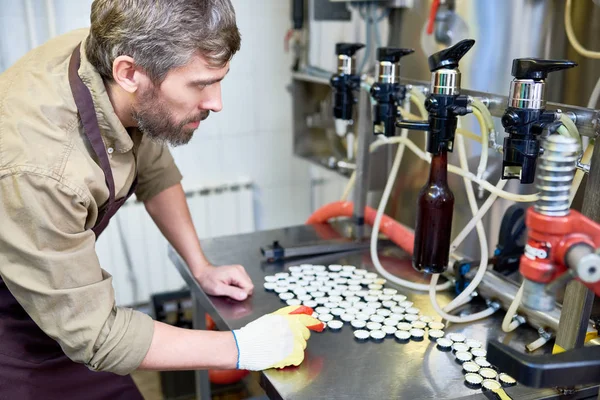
pixel 535 68
pixel 574 367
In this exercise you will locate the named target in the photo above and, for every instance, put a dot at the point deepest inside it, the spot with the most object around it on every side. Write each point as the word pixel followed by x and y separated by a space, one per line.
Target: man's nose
pixel 212 99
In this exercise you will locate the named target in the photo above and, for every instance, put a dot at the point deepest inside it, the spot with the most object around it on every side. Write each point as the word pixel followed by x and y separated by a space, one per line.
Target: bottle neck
pixel 438 173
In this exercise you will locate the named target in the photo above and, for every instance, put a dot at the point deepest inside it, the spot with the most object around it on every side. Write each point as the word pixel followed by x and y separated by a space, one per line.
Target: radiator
pixel 134 252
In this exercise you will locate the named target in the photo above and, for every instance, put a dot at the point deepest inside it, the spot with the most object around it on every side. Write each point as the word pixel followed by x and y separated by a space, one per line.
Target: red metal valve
pixel 549 240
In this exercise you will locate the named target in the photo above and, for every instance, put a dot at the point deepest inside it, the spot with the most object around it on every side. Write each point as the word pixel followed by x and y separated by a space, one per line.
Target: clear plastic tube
pixel 458 300
pixel 477 217
pixel 593 101
pixel 571 35
pixel 520 198
pixel 508 325
pixel 453 318
pixel 484 144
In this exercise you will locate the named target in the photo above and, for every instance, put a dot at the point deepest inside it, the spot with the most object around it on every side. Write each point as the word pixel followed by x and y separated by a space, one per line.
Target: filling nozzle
pixel 436 201
pixel 525 116
pixel 345 83
pixel 387 91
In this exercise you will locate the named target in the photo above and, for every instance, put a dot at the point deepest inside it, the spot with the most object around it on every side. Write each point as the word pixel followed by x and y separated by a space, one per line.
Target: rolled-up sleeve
pixel 49 263
pixel 156 169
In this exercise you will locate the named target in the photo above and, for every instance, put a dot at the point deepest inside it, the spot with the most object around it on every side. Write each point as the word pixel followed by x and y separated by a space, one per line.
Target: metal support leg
pixel 202 382
pixel 361 186
pixel 577 305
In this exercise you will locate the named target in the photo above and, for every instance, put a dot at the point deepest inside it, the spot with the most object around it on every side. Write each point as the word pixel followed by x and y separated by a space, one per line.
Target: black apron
pixel 32 365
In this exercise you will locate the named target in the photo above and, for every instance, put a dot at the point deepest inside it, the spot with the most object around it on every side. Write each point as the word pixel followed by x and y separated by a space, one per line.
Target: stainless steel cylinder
pixel 445 81
pixel 346 64
pixel 555 174
pixel 388 72
pixel 527 93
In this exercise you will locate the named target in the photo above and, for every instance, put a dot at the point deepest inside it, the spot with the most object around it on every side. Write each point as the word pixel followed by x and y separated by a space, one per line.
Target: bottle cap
pixel 425 318
pixel 286 296
pixel 456 337
pixel 413 310
pixel 399 298
pixel 295 268
pixel 473 380
pixel 417 333
pixel 456 347
pixel 374 326
pixel 362 335
pixel 397 309
pixel 270 286
pixel 347 317
pixel 377 335
pixel 463 356
pixel 270 278
pixel 435 334
pixel 444 343
pixel 411 317
pixel 389 330
pixel 479 352
pixel 335 325
pixel 293 302
pixel 377 318
pixel 471 367
pixel 384 312
pixel 337 312
pixel 325 317
pixel 390 322
pixel 507 380
pixel 361 316
pixel 404 326
pixel 419 324
pixel 335 267
pixel 380 281
pixel 472 343
pixel 385 297
pixel 488 373
pixel 360 272
pixel 436 325
pixel 489 384
pixel 358 324
pixel 482 362
pixel 310 303
pixel 406 304
pixel 402 335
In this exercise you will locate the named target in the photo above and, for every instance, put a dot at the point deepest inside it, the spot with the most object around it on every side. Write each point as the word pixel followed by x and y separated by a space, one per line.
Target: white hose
pixel 520 198
pixel 508 325
pixel 477 217
pixel 593 101
pixel 465 294
pixel 453 318
pixel 571 35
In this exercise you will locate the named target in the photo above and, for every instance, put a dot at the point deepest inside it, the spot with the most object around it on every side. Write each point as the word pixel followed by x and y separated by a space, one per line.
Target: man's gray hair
pixel 161 34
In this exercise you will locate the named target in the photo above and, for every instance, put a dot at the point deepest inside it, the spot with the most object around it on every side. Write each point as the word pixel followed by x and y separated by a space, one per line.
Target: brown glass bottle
pixel 434 219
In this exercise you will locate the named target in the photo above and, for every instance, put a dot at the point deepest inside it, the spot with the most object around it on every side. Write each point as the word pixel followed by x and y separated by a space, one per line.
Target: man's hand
pixel 226 280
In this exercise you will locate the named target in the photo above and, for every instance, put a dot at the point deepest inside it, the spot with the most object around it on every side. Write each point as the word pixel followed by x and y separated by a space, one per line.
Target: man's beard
pixel 157 122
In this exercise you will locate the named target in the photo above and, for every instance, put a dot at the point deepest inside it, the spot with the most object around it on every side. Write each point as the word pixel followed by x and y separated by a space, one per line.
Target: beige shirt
pixel 51 188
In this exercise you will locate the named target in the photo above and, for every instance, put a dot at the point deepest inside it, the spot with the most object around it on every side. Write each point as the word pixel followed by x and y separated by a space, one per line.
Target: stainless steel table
pixel 336 365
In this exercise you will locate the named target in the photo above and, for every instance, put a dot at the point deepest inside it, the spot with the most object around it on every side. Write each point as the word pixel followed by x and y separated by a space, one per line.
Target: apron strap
pixel 85 106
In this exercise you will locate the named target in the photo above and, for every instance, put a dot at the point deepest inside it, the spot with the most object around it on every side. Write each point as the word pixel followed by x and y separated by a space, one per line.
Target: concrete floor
pixel 149 384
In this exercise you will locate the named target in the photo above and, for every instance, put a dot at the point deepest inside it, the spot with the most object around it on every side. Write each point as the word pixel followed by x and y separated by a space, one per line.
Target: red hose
pixel 397 233
pixel 432 14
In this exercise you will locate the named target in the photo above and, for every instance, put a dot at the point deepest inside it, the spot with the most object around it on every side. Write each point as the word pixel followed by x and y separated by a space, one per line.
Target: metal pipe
pixel 496 287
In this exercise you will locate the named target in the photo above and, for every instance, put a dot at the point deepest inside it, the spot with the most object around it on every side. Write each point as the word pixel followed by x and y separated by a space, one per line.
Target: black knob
pixel 392 54
pixel 348 49
pixel 449 58
pixel 536 68
pixel 510 119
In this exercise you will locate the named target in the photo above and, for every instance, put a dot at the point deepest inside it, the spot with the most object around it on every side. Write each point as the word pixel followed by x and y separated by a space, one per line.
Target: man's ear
pixel 126 75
